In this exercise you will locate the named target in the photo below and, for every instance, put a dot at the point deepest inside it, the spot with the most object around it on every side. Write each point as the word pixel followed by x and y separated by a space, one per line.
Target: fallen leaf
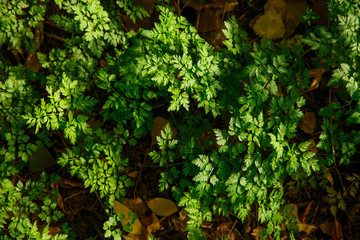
pixel 327 227
pixel 121 208
pixel 132 236
pixel 337 231
pixel 308 207
pixel 307 228
pixel 53 230
pixel 312 147
pixel 330 178
pixel 158 126
pixel 303 227
pixel 308 122
pixel 317 75
pixel 133 174
pixel 154 226
pixel 270 25
pixel 209 21
pixel 32 62
pixel 256 233
pixel 289 11
pixel 162 206
pixel 40 160
pixel 136 205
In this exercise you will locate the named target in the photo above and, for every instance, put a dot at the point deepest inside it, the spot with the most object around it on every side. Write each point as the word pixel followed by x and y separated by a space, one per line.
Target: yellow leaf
pixel 308 228
pixel 270 25
pixel 162 206
pixel 289 11
pixel 154 226
pixel 121 208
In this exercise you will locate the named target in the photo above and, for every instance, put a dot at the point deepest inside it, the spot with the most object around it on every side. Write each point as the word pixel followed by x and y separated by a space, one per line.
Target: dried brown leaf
pixel 132 236
pixel 327 227
pixel 317 75
pixel 307 228
pixel 337 230
pixel 307 210
pixel 32 62
pixel 158 126
pixel 308 122
pixel 330 178
pixel 53 230
pixel 209 21
pixel 162 206
pixel 154 226
pixel 332 229
pixel 256 233
pixel 312 147
pixel 136 205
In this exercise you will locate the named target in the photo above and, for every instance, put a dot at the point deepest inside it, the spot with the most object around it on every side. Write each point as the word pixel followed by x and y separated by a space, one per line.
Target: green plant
pixel 236 112
pixel 18 206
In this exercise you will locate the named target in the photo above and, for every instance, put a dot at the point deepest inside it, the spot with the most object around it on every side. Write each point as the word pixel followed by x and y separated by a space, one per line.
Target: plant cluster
pixel 97 92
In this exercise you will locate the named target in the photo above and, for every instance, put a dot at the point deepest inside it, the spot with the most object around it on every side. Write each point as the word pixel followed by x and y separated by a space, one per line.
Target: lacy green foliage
pixel 16 30
pixel 18 209
pixel 254 154
pixel 97 92
pixel 339 48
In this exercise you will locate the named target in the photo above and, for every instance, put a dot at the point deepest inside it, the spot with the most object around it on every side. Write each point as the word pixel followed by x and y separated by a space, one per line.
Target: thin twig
pixel 317 208
pixel 53 36
pixel 185 6
pixel 71 196
pixel 101 203
pixel 232 228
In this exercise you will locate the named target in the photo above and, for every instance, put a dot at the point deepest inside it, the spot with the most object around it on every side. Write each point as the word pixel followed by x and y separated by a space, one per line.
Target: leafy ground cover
pixel 179 119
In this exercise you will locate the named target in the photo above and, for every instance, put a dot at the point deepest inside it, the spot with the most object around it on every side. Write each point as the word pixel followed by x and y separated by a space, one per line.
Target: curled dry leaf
pixel 121 208
pixel 307 228
pixel 317 75
pixel 162 206
pixel 307 210
pixel 330 178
